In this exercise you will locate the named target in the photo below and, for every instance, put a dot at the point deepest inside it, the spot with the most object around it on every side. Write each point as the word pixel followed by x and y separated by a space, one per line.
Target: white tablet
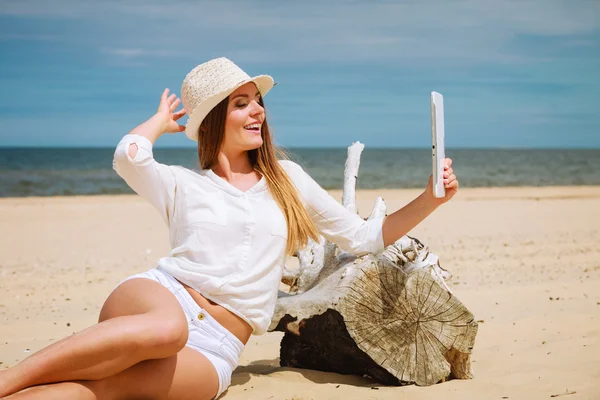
pixel 437 143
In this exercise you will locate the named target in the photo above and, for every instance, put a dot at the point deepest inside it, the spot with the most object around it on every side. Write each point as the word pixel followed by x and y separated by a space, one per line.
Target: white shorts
pixel 206 335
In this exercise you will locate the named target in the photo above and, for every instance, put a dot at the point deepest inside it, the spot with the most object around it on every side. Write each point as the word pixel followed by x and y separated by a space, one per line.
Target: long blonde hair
pixel 264 159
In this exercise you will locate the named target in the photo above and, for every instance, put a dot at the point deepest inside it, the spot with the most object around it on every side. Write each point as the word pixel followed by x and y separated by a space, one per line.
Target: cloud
pixel 137 57
pixel 126 52
pixel 139 53
pixel 461 32
pixel 507 66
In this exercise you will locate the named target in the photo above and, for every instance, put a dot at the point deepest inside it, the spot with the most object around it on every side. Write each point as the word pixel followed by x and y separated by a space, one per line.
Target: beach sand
pixel 526 262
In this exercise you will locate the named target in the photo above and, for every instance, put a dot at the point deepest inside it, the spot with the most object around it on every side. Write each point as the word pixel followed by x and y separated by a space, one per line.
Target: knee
pixel 166 334
pixel 173 332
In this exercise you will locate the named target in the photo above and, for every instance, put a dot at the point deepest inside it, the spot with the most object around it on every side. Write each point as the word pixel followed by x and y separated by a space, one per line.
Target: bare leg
pixel 80 390
pixel 140 320
pixel 187 375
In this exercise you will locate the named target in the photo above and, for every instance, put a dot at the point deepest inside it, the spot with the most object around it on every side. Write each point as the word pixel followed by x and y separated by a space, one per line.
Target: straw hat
pixel 211 82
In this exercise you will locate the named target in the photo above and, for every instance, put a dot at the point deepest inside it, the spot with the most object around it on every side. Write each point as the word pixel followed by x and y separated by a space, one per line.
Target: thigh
pixel 160 319
pixel 140 296
pixel 186 375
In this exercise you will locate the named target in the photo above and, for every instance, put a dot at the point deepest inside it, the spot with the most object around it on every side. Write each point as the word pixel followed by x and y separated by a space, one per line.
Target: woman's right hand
pixel 166 112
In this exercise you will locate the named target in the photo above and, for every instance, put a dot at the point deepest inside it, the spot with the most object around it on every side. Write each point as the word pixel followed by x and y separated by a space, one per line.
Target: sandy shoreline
pixel 510 250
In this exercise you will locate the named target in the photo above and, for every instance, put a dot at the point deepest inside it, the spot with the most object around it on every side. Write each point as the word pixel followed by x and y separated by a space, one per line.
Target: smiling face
pixel 244 120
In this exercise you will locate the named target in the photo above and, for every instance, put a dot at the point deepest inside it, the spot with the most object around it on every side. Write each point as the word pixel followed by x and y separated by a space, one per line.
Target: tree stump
pixel 389 316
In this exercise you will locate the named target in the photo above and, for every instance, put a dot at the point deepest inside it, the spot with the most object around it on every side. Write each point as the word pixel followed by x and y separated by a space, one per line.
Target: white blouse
pixel 228 244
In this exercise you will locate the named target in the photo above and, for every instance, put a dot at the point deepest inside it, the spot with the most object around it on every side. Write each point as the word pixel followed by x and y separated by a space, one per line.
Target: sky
pixel 514 74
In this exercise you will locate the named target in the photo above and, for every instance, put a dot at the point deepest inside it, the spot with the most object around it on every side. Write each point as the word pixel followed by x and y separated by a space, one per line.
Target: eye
pixel 241 105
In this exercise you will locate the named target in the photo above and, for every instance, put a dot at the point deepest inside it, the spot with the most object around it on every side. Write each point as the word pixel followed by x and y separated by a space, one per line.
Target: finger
pixel 448 163
pixel 181 128
pixel 178 114
pixel 164 95
pixel 448 172
pixel 450 178
pixel 452 184
pixel 171 98
pixel 175 104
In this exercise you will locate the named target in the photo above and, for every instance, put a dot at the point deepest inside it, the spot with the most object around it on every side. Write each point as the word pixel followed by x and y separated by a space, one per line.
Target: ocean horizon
pixel 64 171
pixel 179 147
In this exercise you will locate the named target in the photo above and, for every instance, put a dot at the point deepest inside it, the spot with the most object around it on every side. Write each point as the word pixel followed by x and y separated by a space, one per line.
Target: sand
pixel 526 262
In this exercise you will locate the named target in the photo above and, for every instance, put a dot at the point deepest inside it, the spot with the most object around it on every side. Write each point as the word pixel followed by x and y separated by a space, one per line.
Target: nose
pixel 257 109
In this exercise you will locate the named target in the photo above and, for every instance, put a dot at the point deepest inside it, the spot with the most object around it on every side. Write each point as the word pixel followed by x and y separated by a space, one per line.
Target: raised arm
pixel 134 161
pixel 352 233
pixel 403 220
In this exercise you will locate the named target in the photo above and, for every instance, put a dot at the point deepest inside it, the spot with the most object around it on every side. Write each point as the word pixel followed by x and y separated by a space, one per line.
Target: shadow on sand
pixel 243 373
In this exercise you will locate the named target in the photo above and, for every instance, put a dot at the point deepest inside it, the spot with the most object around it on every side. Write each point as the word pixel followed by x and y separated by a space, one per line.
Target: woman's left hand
pixel 450 184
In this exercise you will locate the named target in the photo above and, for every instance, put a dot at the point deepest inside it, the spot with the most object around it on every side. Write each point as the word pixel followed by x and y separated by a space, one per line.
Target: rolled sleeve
pixel 122 152
pixel 338 225
pixel 374 235
pixel 152 180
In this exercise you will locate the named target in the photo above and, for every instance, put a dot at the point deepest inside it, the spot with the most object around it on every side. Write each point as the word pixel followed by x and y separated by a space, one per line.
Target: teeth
pixel 252 126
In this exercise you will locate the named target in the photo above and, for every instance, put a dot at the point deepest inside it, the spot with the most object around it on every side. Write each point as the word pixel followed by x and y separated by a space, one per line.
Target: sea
pixel 88 171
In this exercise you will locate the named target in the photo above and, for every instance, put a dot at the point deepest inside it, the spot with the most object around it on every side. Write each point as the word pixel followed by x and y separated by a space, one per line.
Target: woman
pixel 177 331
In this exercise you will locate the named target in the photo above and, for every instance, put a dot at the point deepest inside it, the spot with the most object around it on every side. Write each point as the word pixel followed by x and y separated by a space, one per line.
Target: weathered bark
pixel 389 316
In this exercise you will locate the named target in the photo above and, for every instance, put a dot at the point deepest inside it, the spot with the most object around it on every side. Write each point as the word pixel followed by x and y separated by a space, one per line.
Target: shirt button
pixel 200 316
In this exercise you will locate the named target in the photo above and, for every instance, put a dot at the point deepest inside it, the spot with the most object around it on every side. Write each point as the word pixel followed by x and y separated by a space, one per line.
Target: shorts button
pixel 201 316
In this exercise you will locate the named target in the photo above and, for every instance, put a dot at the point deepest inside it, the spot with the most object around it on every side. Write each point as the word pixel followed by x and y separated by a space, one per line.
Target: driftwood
pixel 390 316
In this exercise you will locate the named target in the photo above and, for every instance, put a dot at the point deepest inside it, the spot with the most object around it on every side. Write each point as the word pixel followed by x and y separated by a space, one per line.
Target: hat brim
pixel 264 83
